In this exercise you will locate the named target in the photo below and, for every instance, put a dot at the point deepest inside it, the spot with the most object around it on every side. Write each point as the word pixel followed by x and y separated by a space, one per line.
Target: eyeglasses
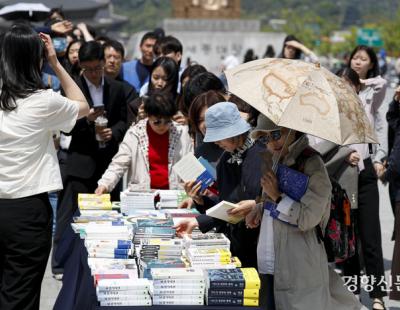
pixel 160 122
pixel 93 70
pixel 274 135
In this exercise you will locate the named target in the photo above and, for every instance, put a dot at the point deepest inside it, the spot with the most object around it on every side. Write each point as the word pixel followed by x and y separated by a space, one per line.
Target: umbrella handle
pixel 275 162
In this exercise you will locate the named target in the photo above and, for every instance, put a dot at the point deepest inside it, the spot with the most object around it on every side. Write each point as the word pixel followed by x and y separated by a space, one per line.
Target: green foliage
pixel 312 21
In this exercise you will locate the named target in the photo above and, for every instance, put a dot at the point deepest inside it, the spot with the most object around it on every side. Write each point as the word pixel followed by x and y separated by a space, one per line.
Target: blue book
pixel 292 182
pixel 155 222
pixel 189 168
pixel 124 244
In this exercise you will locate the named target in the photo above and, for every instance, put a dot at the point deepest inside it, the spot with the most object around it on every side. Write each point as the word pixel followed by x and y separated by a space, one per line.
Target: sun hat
pixel 223 121
pixel 264 125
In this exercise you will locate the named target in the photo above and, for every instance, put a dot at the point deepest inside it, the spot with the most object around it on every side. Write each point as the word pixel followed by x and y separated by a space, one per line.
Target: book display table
pixel 78 291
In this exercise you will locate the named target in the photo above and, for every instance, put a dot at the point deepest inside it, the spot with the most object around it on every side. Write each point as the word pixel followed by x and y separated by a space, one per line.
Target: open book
pixel 189 168
pixel 220 211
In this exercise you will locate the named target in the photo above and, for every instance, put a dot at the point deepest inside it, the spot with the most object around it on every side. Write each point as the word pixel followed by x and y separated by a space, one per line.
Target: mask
pixel 60 44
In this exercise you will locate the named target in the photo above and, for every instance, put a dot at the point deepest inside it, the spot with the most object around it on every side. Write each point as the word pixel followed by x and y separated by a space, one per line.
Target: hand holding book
pixel 269 183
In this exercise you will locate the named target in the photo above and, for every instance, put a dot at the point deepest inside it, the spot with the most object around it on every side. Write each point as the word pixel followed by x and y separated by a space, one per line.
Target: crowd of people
pixel 75 117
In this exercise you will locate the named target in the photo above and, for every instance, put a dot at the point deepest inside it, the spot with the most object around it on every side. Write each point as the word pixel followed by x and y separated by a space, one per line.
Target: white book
pixel 179 291
pixel 220 211
pixel 179 286
pixel 101 294
pixel 177 273
pixel 179 301
pixel 133 302
pixel 157 282
pixel 188 168
pixel 123 297
pixel 123 284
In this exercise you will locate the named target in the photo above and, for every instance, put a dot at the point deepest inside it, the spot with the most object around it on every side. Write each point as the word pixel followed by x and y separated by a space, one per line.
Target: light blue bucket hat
pixel 223 121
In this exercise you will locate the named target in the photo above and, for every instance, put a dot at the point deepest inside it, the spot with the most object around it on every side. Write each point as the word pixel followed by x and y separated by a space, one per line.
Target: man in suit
pixel 87 158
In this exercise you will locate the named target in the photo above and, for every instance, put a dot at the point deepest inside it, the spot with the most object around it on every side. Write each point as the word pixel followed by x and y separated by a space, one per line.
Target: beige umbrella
pixel 304 97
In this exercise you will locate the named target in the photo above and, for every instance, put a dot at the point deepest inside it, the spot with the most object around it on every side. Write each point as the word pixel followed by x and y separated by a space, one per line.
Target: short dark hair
pixel 170 44
pixel 160 104
pixel 171 70
pixel 191 71
pixel 148 35
pixel 115 45
pixel 374 71
pixel 102 38
pixel 91 50
pixel 197 85
pixel 21 57
pixel 204 100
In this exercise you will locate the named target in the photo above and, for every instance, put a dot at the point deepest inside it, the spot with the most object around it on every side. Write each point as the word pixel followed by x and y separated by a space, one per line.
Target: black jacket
pixel 392 173
pixel 85 159
pixel 237 183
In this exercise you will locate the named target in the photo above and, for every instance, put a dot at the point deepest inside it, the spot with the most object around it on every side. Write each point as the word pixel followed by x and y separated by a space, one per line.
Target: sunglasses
pixel 274 135
pixel 161 121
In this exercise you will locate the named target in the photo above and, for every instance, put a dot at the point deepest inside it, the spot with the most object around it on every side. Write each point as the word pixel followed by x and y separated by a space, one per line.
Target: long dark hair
pixel 21 58
pixel 73 69
pixel 171 70
pixel 288 38
pixel 374 71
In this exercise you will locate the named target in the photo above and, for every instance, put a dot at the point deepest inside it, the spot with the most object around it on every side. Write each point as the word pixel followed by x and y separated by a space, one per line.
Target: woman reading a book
pixel 238 179
pixel 150 149
pixel 292 261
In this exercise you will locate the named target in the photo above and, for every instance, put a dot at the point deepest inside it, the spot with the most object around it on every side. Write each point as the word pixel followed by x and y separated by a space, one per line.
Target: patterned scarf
pixel 236 156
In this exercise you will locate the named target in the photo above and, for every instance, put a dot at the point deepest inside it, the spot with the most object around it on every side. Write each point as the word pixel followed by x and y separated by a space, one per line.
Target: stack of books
pixel 153 228
pixel 211 258
pixel 207 241
pixel 123 292
pixel 232 287
pixel 94 202
pixel 170 199
pixel 116 248
pixel 87 216
pixel 178 286
pixel 131 201
pixel 159 253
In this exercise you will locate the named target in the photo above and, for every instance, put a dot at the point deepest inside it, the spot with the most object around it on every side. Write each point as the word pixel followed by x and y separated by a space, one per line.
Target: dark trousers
pixel 267 299
pixel 25 243
pixel 395 290
pixel 368 228
pixel 66 208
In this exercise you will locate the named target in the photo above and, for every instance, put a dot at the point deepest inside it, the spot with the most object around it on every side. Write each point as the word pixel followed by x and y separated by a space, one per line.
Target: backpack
pixel 339 238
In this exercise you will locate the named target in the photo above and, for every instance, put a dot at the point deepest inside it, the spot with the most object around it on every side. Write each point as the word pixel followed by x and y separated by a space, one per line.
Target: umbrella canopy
pixel 28 11
pixel 304 97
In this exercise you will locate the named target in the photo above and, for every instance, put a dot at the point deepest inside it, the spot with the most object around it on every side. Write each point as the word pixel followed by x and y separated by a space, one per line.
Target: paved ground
pixel 51 287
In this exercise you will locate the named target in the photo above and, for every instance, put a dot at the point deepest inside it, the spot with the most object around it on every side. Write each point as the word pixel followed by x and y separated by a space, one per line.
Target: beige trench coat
pixel 133 157
pixel 302 278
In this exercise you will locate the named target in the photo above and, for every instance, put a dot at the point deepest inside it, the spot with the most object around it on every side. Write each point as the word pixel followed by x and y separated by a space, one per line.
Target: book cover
pixel 225 279
pixel 155 222
pixel 220 211
pixel 179 291
pixel 133 302
pixel 226 301
pixel 123 284
pixel 246 293
pixel 189 168
pixel 291 182
pixel 251 277
pixel 123 297
pixel 177 273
